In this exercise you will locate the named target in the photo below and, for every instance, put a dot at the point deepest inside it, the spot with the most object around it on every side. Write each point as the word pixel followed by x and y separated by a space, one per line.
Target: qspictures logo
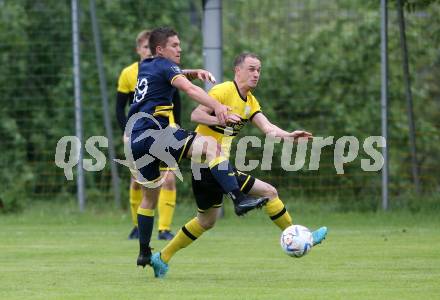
pixel 162 140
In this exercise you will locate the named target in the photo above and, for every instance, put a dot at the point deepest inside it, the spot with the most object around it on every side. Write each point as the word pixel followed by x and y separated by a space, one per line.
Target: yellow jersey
pixel 227 94
pixel 128 78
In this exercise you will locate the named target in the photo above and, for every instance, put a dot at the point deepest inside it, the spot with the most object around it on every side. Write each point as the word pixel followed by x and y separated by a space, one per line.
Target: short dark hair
pixel 159 37
pixel 242 56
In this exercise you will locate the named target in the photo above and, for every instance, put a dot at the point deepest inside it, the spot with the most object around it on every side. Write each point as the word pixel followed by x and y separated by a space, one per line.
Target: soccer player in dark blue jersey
pixel 167 196
pixel 154 142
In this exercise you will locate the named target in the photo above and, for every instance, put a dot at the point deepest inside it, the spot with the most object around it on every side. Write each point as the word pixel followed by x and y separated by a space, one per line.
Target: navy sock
pixel 224 174
pixel 236 196
pixel 145 225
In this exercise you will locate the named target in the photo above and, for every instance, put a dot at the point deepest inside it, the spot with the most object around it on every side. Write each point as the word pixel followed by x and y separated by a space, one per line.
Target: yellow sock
pixel 167 203
pixel 188 234
pixel 135 201
pixel 278 213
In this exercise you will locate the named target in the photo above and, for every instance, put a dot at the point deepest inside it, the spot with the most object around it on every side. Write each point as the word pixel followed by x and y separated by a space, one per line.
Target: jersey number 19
pixel 141 89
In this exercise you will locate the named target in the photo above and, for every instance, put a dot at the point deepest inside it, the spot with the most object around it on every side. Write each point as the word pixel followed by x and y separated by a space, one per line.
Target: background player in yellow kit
pixel 167 197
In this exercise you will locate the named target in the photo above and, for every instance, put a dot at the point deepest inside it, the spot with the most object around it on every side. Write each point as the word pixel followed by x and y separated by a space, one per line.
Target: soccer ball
pixel 296 240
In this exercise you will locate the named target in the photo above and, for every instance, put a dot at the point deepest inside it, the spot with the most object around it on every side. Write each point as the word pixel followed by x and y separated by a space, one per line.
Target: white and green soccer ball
pixel 296 240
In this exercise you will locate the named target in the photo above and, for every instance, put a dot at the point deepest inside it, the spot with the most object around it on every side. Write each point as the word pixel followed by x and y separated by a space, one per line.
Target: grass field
pixel 53 252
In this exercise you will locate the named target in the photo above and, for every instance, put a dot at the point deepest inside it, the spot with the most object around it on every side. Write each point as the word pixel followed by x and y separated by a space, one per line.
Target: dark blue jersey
pixel 154 92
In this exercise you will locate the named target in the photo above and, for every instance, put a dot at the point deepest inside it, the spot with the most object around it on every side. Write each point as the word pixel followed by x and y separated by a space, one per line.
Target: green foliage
pixel 321 72
pixel 413 5
pixel 326 78
pixel 13 196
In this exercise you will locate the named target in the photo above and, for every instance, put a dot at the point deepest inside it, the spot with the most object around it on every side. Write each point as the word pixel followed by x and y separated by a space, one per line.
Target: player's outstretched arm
pixel 262 123
pixel 201 74
pixel 199 95
pixel 203 115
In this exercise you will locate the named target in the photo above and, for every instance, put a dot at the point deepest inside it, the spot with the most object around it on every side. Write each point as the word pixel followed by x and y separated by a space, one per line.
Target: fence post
pixel 212 43
pixel 408 93
pixel 78 104
pixel 105 106
pixel 384 98
pixel 212 39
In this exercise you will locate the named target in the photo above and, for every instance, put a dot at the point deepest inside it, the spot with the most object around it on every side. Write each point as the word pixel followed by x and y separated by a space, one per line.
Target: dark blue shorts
pixel 208 192
pixel 155 149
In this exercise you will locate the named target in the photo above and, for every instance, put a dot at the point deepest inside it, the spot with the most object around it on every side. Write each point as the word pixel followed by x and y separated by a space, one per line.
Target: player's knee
pixel 212 148
pixel 169 182
pixel 270 191
pixel 207 223
pixel 135 185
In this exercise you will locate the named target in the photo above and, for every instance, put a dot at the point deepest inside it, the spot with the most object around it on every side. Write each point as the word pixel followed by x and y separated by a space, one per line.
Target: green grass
pixel 52 252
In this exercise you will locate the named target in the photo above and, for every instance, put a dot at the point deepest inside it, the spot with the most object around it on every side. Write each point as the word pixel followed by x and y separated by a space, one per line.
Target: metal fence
pixel 321 72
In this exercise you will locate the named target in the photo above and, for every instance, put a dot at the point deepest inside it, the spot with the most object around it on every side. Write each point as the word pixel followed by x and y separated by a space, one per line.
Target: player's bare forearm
pixel 266 127
pixel 274 130
pixel 202 116
pixel 195 92
pixel 262 123
pixel 201 74
pixel 199 95
pixel 278 132
pixel 189 74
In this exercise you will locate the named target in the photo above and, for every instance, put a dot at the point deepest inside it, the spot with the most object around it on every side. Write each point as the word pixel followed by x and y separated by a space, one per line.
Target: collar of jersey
pixel 238 92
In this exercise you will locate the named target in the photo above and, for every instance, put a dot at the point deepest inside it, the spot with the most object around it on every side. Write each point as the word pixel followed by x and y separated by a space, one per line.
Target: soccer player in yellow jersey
pixel 167 197
pixel 245 107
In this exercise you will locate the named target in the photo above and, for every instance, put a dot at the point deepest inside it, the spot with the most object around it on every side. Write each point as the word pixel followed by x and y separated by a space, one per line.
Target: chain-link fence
pixel 321 72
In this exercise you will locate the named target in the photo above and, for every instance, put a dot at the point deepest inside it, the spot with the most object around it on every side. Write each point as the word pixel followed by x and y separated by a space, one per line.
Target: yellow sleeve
pixel 255 107
pixel 123 82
